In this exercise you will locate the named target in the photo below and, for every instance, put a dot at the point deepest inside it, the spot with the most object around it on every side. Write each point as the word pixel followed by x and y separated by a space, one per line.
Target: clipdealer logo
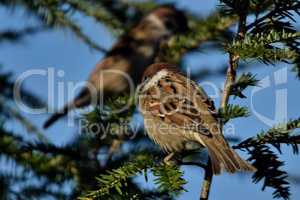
pixel 278 80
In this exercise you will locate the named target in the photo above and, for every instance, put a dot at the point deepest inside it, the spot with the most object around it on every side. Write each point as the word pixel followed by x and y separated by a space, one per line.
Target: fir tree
pixel 270 38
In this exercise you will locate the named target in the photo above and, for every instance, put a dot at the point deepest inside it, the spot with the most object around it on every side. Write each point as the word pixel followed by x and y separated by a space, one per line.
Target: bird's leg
pixel 115 145
pixel 168 158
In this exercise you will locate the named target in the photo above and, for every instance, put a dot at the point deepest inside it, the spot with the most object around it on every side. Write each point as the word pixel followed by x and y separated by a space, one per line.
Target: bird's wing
pixel 110 74
pixel 180 102
pixel 116 60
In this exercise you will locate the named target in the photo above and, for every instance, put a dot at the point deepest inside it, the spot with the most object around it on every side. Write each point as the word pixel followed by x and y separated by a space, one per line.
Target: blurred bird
pixel 177 113
pixel 132 53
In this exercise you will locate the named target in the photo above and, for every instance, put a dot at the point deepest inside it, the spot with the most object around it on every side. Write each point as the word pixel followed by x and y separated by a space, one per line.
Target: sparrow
pixel 177 113
pixel 131 54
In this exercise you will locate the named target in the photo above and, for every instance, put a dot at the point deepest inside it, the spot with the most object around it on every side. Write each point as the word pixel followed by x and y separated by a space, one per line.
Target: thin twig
pixel 193 163
pixel 230 80
pixel 31 128
pixel 208 176
pixel 270 15
pixel 16 35
pixel 263 18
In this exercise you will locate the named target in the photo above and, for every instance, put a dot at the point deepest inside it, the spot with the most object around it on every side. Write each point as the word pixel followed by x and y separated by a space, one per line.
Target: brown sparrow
pixel 128 58
pixel 177 112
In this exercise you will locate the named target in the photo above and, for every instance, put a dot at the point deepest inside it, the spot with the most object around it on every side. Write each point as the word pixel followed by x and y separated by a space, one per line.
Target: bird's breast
pixel 170 138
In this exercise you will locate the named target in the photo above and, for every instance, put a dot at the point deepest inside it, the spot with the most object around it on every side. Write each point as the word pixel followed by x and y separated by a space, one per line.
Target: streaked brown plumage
pixel 131 55
pixel 178 112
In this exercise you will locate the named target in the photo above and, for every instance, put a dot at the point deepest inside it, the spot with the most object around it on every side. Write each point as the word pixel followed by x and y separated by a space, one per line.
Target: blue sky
pixel 61 50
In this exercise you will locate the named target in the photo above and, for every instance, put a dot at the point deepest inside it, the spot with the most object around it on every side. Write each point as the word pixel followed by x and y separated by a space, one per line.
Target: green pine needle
pixel 233 111
pixel 263 47
pixel 244 81
pixel 169 178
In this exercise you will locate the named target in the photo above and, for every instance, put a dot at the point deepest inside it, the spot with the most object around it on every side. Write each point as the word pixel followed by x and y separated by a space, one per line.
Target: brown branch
pixel 230 80
pixel 208 176
pixel 193 163
pixel 234 58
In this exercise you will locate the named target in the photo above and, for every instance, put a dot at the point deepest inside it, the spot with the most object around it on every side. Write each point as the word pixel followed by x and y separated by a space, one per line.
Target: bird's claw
pixel 167 159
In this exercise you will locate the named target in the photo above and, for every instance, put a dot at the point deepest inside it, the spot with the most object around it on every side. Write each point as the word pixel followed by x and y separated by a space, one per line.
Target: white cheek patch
pixel 145 50
pixel 155 20
pixel 154 80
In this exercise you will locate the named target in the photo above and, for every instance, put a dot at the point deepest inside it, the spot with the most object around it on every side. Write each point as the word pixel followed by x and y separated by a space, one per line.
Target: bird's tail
pixel 53 118
pixel 223 157
pixel 83 99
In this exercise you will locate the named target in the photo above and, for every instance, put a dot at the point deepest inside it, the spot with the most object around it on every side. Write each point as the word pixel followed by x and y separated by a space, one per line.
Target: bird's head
pixel 162 23
pixel 157 67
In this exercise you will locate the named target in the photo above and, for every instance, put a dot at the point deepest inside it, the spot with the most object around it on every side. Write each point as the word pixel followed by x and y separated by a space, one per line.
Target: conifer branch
pixel 232 111
pixel 168 177
pixel 42 164
pixel 12 35
pixel 203 30
pixel 266 161
pixel 242 12
pixel 283 8
pixel 262 46
pixel 281 134
pixel 244 81
pixel 117 178
pixel 31 128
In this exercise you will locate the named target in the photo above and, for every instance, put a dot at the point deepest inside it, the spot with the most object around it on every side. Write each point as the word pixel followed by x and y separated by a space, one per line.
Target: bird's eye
pixel 145 78
pixel 170 24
